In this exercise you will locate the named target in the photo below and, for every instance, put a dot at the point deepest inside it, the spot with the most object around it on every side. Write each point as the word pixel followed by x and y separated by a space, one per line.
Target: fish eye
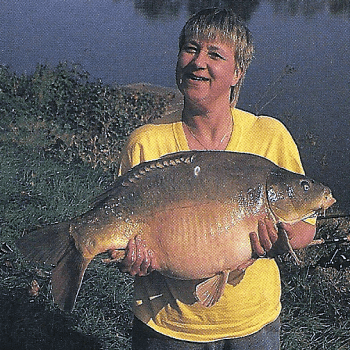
pixel 305 185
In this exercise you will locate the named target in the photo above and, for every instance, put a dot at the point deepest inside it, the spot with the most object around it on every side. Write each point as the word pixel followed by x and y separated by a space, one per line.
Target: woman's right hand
pixel 261 242
pixel 138 260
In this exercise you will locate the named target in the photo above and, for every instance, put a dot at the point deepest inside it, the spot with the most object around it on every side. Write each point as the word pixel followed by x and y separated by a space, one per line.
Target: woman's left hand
pixel 300 234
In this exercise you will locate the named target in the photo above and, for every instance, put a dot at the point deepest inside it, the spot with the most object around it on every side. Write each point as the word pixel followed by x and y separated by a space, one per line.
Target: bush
pixel 71 118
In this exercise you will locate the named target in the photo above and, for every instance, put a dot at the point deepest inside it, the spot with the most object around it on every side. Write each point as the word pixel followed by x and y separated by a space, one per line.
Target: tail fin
pixel 54 245
pixel 67 277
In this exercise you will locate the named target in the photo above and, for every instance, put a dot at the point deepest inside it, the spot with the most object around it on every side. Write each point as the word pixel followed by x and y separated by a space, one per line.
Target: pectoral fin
pixel 211 290
pixel 235 277
pixel 282 245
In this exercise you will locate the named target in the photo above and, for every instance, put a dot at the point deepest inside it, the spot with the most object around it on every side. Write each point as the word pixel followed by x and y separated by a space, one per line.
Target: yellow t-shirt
pixel 167 305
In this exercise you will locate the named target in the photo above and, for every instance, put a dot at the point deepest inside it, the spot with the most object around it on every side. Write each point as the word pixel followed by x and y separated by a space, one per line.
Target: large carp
pixel 194 209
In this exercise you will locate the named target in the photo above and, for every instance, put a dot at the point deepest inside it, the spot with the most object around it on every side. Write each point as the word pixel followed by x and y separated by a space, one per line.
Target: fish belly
pixel 194 241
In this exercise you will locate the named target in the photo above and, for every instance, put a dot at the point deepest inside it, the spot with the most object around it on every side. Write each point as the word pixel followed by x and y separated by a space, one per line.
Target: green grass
pixel 316 300
pixel 35 191
pixel 60 140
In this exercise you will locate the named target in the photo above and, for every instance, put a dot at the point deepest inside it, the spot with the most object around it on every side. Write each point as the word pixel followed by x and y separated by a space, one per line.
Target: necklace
pixel 205 147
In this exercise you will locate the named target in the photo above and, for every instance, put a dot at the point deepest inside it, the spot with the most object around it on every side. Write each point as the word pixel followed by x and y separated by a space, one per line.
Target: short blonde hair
pixel 223 25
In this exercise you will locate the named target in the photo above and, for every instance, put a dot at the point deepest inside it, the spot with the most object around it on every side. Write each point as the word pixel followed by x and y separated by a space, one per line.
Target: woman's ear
pixel 236 76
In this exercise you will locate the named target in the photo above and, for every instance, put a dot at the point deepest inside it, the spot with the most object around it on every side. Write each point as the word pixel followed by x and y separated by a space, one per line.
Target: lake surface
pixel 300 73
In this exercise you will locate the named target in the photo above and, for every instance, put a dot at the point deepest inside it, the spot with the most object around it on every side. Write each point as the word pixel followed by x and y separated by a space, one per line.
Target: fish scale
pixel 194 209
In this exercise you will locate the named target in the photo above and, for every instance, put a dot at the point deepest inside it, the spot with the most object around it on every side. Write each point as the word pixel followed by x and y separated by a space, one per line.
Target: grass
pixel 316 300
pixel 60 140
pixel 36 190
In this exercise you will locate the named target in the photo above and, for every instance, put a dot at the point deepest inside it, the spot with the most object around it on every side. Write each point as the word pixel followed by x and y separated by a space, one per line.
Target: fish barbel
pixel 194 209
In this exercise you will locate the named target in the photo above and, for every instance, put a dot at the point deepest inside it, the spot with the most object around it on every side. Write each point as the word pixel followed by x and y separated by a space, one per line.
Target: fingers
pixel 262 241
pixel 154 262
pixel 258 250
pixel 267 233
pixel 138 259
pixel 144 263
pixel 134 257
pixel 130 254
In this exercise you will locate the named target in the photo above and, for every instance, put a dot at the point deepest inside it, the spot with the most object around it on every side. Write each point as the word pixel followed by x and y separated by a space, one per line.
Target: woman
pixel 215 50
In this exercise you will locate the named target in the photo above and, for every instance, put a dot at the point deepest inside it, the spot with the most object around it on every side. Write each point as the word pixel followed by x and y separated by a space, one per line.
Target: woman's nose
pixel 199 60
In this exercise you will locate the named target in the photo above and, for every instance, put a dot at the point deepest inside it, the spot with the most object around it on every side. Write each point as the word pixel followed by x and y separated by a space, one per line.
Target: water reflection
pixel 339 6
pixel 158 9
pixel 296 7
pixel 243 8
pixel 310 7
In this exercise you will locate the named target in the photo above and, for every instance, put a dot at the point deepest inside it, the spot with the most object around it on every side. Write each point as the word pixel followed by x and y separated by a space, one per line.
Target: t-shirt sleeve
pixel 131 156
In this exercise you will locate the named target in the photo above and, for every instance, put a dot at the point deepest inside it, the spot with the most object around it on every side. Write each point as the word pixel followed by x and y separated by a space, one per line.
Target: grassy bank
pixel 60 141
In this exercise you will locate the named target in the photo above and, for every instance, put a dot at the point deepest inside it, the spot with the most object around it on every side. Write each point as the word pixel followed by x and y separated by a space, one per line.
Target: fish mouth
pixel 328 200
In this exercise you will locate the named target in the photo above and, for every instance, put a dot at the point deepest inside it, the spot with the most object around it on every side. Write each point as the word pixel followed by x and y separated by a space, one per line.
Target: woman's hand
pixel 300 234
pixel 266 237
pixel 138 260
pixel 261 242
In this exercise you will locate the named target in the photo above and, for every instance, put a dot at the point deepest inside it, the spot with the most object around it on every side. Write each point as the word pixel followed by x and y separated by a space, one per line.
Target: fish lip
pixel 328 200
pixel 311 214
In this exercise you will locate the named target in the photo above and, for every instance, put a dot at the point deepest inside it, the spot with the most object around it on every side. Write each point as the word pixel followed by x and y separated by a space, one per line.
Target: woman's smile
pixel 193 76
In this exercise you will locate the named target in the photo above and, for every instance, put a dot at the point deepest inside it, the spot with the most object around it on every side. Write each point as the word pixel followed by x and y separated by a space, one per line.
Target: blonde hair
pixel 223 25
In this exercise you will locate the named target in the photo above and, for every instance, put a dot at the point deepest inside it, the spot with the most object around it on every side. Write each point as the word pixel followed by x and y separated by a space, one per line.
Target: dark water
pixel 300 73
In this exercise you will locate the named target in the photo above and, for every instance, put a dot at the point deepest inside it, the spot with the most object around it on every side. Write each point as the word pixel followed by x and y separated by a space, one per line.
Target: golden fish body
pixel 194 209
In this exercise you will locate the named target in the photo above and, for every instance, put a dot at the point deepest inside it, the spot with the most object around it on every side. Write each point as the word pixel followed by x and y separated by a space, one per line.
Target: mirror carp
pixel 194 209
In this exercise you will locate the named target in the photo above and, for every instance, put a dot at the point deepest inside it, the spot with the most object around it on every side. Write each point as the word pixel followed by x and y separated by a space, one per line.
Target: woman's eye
pixel 215 55
pixel 190 49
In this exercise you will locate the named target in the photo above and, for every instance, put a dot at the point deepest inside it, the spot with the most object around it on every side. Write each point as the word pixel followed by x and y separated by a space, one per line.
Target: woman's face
pixel 206 70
